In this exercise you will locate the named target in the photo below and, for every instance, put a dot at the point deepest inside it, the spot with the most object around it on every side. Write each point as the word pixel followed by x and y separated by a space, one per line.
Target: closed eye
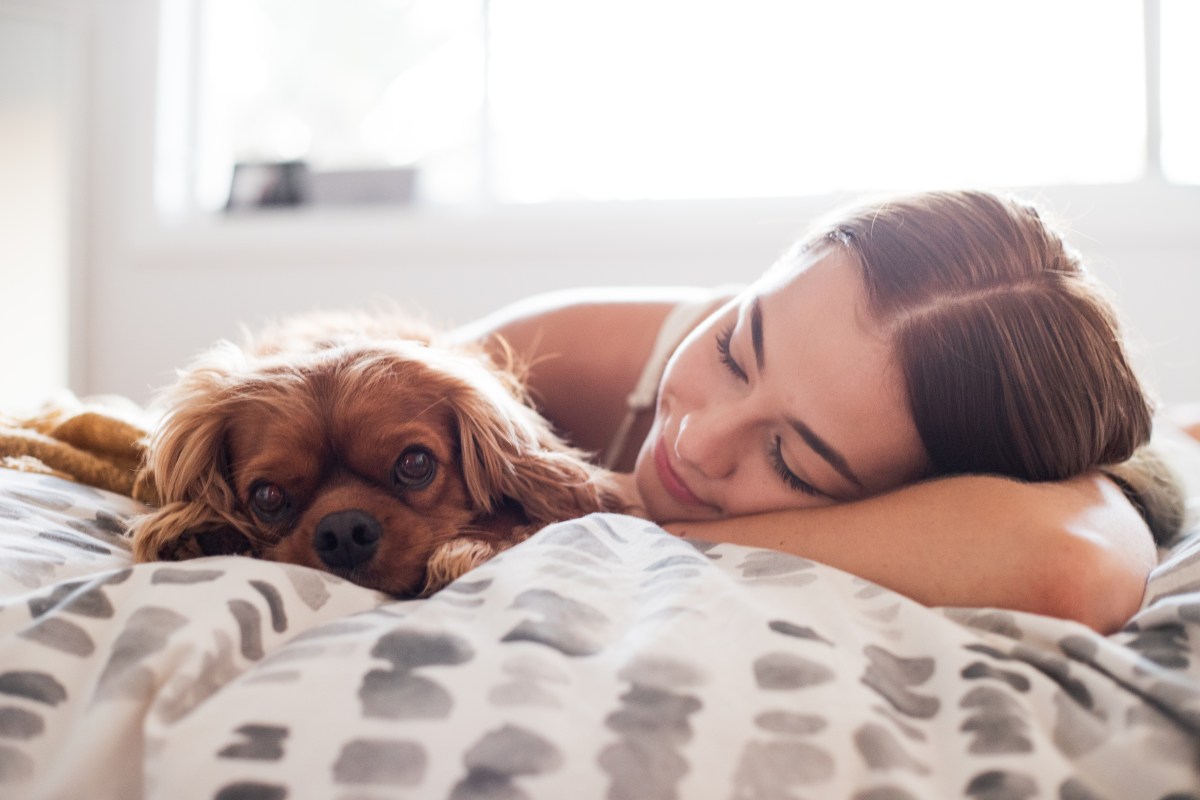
pixel 790 478
pixel 725 354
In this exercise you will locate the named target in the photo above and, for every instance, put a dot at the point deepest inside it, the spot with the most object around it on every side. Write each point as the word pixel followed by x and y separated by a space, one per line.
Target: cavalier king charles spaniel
pixel 363 446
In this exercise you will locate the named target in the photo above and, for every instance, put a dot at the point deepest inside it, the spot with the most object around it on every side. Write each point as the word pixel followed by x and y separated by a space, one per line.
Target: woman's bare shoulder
pixel 609 326
pixel 584 349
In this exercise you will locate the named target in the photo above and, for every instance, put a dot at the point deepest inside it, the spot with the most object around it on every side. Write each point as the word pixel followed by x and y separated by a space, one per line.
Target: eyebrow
pixel 819 445
pixel 823 449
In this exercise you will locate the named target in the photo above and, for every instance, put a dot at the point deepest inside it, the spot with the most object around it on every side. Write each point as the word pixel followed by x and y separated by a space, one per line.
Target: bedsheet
pixel 601 658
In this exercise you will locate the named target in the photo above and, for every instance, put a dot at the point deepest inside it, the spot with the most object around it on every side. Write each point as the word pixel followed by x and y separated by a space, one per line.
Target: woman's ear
pixel 185 468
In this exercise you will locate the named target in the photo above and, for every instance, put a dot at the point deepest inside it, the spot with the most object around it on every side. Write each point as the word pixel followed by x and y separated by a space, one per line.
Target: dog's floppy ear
pixel 510 454
pixel 185 467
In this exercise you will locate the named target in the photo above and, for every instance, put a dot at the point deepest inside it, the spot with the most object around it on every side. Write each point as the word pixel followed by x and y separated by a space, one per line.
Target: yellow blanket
pixel 96 441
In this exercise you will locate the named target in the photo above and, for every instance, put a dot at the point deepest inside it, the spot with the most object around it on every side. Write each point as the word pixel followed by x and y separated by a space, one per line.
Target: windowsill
pixel 1146 214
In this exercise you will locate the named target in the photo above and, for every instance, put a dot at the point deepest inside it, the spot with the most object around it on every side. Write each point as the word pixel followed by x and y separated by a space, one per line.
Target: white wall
pixel 34 131
pixel 158 291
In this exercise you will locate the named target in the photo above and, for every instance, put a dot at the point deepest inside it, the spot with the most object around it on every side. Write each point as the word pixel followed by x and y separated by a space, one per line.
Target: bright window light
pixel 546 100
pixel 1180 88
pixel 686 98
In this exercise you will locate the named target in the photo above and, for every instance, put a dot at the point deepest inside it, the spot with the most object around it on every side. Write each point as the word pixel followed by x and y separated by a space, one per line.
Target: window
pixel 1180 87
pixel 545 100
pixel 396 83
pixel 673 98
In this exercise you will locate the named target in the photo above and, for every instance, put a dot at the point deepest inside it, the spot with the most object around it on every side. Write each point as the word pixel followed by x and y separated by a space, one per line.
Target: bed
pixel 601 658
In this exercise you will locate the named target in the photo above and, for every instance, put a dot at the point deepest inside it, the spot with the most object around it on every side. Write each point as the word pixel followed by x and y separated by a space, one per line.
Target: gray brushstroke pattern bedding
pixel 602 658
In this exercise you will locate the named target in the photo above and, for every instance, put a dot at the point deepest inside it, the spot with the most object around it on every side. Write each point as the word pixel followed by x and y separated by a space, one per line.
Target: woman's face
pixel 785 398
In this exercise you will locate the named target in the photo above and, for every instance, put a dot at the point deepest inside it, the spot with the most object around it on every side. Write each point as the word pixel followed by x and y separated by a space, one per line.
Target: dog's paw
pixel 454 559
pixel 216 542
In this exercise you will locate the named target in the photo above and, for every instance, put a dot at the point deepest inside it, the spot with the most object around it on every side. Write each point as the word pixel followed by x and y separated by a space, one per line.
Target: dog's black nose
pixel 347 539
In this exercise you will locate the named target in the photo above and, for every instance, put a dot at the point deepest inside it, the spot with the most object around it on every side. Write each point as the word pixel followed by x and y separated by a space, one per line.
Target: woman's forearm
pixel 1075 549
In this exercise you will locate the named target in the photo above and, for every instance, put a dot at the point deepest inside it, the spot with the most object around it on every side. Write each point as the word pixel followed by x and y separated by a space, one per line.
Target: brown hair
pixel 1011 352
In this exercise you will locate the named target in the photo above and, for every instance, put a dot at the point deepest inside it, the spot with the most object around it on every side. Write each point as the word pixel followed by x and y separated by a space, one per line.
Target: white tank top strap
pixel 676 325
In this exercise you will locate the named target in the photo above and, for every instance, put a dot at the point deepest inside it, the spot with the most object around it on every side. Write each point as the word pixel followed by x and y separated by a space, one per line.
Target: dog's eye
pixel 414 468
pixel 268 500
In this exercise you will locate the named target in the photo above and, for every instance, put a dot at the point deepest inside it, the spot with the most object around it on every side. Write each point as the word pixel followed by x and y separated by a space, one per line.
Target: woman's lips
pixel 670 480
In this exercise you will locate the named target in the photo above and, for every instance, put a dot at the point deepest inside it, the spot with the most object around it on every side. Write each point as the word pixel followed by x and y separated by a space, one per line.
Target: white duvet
pixel 602 658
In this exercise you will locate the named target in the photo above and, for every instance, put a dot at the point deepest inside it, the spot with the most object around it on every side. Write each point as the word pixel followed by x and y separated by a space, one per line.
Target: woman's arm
pixel 1187 417
pixel 1075 549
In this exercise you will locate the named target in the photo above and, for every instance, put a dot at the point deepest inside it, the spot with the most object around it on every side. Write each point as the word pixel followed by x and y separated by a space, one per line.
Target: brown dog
pixel 362 446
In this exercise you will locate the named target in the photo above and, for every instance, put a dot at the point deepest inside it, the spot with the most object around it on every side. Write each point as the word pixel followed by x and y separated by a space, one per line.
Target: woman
pixel 922 394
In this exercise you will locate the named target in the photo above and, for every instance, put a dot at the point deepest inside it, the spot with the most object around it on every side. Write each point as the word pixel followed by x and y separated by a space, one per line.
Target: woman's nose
pixel 707 441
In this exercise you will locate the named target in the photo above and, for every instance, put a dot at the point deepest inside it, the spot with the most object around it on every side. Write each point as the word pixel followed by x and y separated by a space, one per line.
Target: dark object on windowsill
pixel 269 185
pixel 292 183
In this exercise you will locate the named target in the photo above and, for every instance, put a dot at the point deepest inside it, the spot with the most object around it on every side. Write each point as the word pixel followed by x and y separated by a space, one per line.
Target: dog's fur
pixel 372 450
